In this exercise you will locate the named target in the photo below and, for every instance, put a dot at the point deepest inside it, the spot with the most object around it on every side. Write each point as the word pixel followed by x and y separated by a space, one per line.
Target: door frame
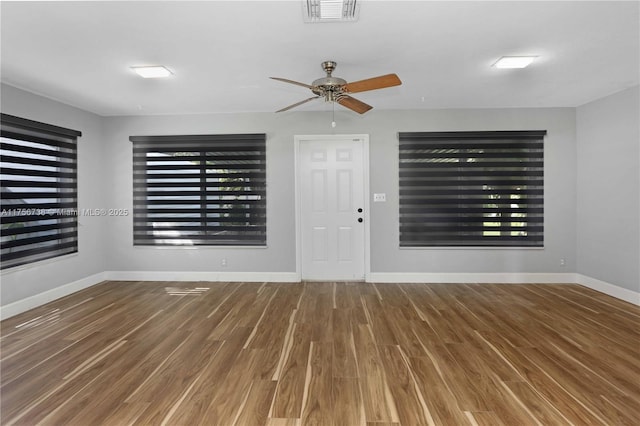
pixel 364 139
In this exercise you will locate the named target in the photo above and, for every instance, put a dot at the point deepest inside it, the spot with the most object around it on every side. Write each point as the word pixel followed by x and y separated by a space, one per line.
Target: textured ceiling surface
pixel 222 53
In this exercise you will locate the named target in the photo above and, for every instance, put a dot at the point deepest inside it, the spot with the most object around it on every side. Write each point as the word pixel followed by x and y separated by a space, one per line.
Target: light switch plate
pixel 379 198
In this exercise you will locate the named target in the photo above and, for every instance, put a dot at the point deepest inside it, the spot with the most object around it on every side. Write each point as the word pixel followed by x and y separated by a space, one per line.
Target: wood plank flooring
pixel 169 353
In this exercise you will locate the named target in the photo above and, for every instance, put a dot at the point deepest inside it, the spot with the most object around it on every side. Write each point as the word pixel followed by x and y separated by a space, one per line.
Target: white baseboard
pixel 31 302
pixel 39 299
pixel 609 289
pixel 508 278
pixel 202 276
pixel 468 278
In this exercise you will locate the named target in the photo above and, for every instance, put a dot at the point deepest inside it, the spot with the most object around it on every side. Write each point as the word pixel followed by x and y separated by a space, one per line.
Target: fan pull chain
pixel 333 114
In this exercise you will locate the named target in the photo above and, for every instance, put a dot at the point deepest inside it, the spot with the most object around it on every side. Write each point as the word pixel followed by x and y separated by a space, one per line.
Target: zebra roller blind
pixel 39 191
pixel 199 190
pixel 471 189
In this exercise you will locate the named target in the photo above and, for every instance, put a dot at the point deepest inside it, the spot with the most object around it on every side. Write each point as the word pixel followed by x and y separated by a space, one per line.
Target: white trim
pixel 508 278
pixel 464 277
pixel 297 139
pixel 609 289
pixel 31 302
pixel 202 276
pixel 298 219
pixel 367 207
pixel 40 299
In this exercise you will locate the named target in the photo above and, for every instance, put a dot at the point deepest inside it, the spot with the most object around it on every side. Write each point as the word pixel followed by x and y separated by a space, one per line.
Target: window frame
pixel 212 214
pixel 449 198
pixel 40 160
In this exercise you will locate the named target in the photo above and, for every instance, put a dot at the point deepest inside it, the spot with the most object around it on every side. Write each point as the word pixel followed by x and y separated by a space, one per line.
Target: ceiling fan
pixel 335 89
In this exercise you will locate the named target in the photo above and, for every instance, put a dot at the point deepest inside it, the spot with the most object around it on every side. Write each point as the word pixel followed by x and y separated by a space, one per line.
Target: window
pixel 39 191
pixel 199 190
pixel 471 189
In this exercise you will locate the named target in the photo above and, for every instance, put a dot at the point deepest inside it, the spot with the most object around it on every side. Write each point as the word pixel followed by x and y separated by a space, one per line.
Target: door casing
pixel 364 140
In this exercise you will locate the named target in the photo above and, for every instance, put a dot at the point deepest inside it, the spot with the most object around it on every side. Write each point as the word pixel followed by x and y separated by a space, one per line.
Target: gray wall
pixel 382 126
pixel 279 256
pixel 24 281
pixel 608 189
pixel 596 143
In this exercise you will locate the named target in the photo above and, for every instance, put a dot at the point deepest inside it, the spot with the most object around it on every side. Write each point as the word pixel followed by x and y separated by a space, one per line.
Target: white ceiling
pixel 222 53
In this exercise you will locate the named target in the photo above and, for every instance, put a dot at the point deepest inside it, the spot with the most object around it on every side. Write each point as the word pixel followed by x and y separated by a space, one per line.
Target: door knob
pixel 360 219
pixel 359 210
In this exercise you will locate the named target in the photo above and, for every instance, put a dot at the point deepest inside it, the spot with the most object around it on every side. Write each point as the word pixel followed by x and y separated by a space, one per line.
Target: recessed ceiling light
pixel 514 61
pixel 330 10
pixel 156 71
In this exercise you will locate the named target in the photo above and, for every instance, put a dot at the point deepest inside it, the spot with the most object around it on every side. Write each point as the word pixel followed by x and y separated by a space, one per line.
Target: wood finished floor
pixel 124 353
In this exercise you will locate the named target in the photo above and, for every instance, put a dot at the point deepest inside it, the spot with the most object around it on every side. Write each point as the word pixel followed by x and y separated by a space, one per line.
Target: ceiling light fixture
pixel 156 71
pixel 514 61
pixel 331 10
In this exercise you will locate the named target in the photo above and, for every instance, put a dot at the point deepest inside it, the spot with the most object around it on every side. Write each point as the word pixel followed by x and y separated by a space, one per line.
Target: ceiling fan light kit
pixel 335 89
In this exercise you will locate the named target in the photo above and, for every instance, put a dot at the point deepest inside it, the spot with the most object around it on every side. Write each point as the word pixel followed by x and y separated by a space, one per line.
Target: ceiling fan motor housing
pixel 329 87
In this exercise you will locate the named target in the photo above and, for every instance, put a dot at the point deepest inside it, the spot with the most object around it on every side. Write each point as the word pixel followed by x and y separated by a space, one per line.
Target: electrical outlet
pixel 563 262
pixel 223 262
pixel 379 198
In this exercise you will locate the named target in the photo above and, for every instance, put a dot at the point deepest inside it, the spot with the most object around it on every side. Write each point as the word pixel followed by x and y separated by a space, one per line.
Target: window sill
pixel 37 264
pixel 199 247
pixel 471 248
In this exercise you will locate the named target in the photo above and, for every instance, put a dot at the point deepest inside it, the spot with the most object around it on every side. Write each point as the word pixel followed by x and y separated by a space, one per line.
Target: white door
pixel 331 191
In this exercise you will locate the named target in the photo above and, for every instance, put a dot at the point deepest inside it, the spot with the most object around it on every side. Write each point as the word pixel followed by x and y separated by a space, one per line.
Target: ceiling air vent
pixel 330 10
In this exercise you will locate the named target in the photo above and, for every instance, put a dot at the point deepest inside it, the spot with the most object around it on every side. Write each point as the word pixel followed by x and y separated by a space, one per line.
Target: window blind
pixel 39 194
pixel 199 190
pixel 471 188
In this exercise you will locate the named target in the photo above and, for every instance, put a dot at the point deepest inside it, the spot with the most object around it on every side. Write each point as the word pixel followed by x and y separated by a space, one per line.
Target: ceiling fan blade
pixel 297 103
pixel 297 83
pixel 353 104
pixel 374 83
